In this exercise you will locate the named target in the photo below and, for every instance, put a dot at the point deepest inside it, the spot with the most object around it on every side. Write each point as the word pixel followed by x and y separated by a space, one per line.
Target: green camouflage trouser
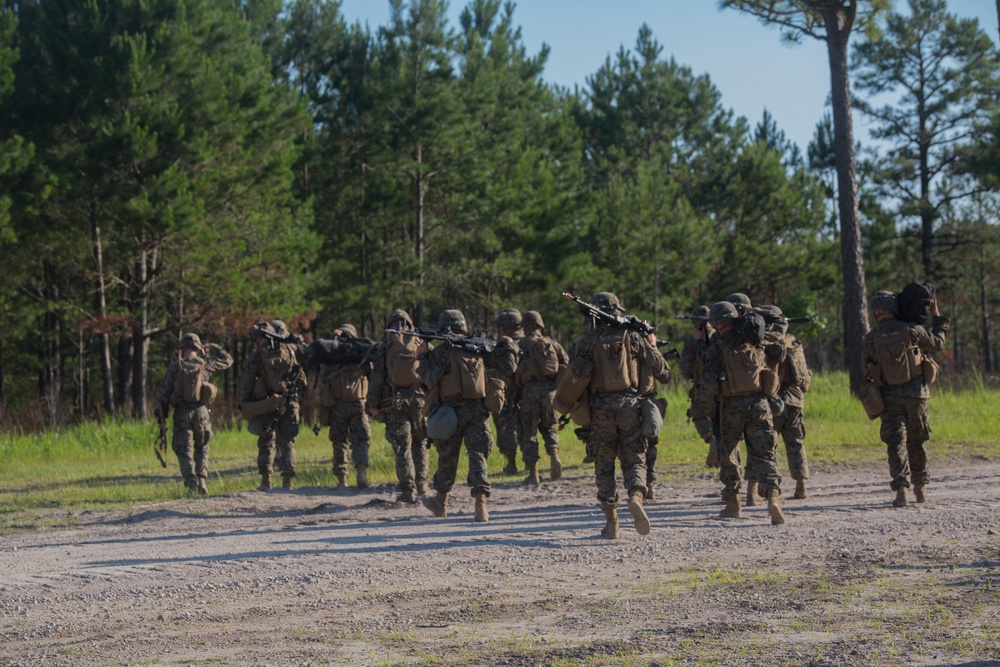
pixel 192 433
pixel 506 424
pixel 474 428
pixel 282 439
pixel 537 415
pixel 349 426
pixel 406 431
pixel 748 417
pixel 615 424
pixel 792 429
pixel 905 429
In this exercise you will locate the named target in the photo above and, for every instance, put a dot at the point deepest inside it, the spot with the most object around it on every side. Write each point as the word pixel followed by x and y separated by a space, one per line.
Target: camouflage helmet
pixel 700 311
pixel 348 330
pixel 740 300
pixel 452 318
pixel 190 340
pixel 533 318
pixel 721 311
pixel 885 300
pixel 508 318
pixel 279 327
pixel 396 316
pixel 260 329
pixel 607 302
pixel 774 318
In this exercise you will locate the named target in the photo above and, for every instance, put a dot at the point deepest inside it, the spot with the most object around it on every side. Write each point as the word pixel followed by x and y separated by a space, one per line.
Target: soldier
pixel 508 323
pixel 691 369
pixel 741 301
pixel 541 360
pixel 347 384
pixel 460 379
pixel 396 395
pixel 188 388
pixel 619 358
pixel 731 388
pixel 272 379
pixel 647 390
pixel 795 377
pixel 896 361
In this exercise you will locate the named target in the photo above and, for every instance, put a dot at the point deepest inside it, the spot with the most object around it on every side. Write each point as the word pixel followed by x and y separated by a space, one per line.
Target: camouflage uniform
pixel 507 422
pixel 789 424
pixel 536 392
pixel 400 407
pixel 691 368
pixel 277 448
pixel 192 421
pixel 747 415
pixel 905 420
pixel 473 418
pixel 349 427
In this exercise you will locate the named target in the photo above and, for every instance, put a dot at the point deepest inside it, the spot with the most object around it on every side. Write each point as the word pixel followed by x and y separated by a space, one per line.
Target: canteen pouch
pixel 930 369
pixel 871 399
pixel 496 395
pixel 254 409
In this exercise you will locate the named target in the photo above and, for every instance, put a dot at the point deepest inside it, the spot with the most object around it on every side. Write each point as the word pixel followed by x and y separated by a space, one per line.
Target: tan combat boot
pixel 774 507
pixel 650 494
pixel 532 477
pixel 511 467
pixel 265 482
pixel 341 480
pixel 286 482
pixel 202 486
pixel 638 513
pixel 438 505
pixel 732 509
pixel 556 471
pixel 753 499
pixel 712 460
pixel 800 488
pixel 362 477
pixel 919 492
pixel 422 489
pixel 900 499
pixel 482 516
pixel 407 496
pixel 610 530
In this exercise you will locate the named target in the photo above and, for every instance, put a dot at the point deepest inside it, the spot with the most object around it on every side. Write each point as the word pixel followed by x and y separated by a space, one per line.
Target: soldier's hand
pixel 423 348
pixel 506 339
pixel 652 339
pixel 934 309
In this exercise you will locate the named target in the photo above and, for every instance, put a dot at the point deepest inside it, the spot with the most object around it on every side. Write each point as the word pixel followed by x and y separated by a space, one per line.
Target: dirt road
pixel 314 577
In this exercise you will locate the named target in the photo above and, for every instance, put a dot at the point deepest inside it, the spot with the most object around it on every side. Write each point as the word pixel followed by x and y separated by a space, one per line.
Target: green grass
pixel 112 463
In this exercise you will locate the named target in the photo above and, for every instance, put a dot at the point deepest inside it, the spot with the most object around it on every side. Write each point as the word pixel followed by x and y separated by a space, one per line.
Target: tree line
pixel 175 165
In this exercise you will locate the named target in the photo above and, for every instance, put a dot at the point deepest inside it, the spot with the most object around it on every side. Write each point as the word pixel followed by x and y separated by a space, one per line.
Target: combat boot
pixel 286 482
pixel 900 499
pixel 650 495
pixel 362 477
pixel 753 499
pixel 800 488
pixel 511 467
pixel 191 485
pixel 422 489
pixel 407 496
pixel 638 513
pixel 341 480
pixel 732 509
pixel 610 530
pixel 265 482
pixel 556 471
pixel 202 486
pixel 438 505
pixel 774 507
pixel 482 516
pixel 712 460
pixel 532 477
pixel 918 491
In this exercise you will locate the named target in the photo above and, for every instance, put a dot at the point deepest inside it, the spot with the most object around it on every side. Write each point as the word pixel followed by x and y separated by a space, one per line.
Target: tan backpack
pixel 742 366
pixel 466 375
pixel 401 360
pixel 545 357
pixel 799 374
pixel 188 380
pixel 278 363
pixel 898 358
pixel 615 368
pixel 349 384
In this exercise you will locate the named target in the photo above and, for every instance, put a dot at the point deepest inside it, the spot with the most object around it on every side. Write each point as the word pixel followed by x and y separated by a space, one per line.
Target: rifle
pixel 479 344
pixel 289 394
pixel 631 322
pixel 160 446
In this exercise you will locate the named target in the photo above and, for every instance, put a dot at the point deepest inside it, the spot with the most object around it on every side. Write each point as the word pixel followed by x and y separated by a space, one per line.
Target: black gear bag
pixel 914 303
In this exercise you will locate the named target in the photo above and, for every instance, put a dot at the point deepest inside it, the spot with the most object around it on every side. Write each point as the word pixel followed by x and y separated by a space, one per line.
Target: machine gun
pixel 160 446
pixel 672 353
pixel 479 344
pixel 631 322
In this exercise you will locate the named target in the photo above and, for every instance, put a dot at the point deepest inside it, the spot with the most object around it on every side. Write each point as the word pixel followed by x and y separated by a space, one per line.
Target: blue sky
pixel 746 61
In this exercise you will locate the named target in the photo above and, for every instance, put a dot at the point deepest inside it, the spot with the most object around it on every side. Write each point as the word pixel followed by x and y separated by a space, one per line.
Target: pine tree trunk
pixel 855 306
pixel 102 308
pixel 989 365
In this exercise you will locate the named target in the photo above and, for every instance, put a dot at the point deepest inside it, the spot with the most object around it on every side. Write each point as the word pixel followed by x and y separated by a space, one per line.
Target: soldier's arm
pixel 709 385
pixel 432 367
pixel 687 361
pixel 505 357
pixel 378 376
pixel 248 375
pixel 649 355
pixel 934 340
pixel 561 353
pixel 219 361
